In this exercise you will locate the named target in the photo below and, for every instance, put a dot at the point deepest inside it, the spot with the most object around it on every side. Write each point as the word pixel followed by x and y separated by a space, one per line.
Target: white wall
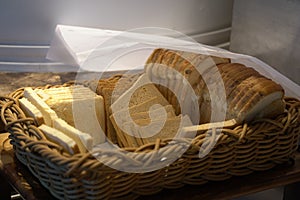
pixel 33 21
pixel 269 30
pixel 25 24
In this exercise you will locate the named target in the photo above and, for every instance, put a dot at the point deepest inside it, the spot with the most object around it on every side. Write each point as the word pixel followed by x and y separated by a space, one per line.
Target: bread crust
pixel 244 87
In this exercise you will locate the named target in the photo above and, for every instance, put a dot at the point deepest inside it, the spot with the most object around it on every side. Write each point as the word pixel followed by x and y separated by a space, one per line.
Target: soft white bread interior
pixel 138 98
pixel 48 114
pixel 141 110
pixel 111 89
pixel 135 115
pixel 83 140
pixel 31 111
pixel 141 91
pixel 58 137
pixel 158 129
pixel 157 112
pixel 78 106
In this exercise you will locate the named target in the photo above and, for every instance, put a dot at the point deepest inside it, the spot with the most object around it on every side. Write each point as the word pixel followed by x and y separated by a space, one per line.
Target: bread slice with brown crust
pixel 170 67
pixel 247 93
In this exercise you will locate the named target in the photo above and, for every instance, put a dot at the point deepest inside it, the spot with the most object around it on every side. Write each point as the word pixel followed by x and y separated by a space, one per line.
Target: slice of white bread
pixel 126 139
pixel 86 115
pixel 111 89
pixel 74 92
pixel 141 91
pixel 48 114
pixel 31 111
pixel 149 133
pixel 113 130
pixel 58 137
pixel 156 113
pixel 118 117
pixel 142 112
pixel 83 140
pixel 78 106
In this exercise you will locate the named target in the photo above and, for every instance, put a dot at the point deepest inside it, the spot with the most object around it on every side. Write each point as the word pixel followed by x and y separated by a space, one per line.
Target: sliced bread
pixel 78 105
pixel 125 138
pixel 141 91
pixel 58 137
pixel 111 89
pixel 48 114
pixel 148 133
pixel 31 111
pixel 83 140
pixel 247 93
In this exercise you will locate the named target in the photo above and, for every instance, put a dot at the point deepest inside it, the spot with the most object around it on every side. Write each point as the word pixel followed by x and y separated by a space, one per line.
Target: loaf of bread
pixel 248 94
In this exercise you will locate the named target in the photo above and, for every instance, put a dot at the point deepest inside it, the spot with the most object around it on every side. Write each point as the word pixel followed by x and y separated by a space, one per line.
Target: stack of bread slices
pixel 72 117
pixel 141 115
pixel 107 89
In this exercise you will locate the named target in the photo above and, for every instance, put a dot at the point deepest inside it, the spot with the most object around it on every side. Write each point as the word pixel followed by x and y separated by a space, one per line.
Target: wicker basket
pixel 239 151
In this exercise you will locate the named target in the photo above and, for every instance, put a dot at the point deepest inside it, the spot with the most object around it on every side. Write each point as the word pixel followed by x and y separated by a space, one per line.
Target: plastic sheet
pixel 106 50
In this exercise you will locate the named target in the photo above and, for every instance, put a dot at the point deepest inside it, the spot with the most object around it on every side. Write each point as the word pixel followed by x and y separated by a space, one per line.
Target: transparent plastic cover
pixel 107 50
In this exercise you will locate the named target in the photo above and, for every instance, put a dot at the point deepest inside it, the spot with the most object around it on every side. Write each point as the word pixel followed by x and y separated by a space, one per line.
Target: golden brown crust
pixel 244 86
pixel 183 62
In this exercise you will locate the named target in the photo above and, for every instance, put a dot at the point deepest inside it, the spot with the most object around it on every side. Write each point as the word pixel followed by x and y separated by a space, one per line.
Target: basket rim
pixel 70 163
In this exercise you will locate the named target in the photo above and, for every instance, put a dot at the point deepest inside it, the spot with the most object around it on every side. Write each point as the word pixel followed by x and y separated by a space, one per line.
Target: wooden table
pixel 15 175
